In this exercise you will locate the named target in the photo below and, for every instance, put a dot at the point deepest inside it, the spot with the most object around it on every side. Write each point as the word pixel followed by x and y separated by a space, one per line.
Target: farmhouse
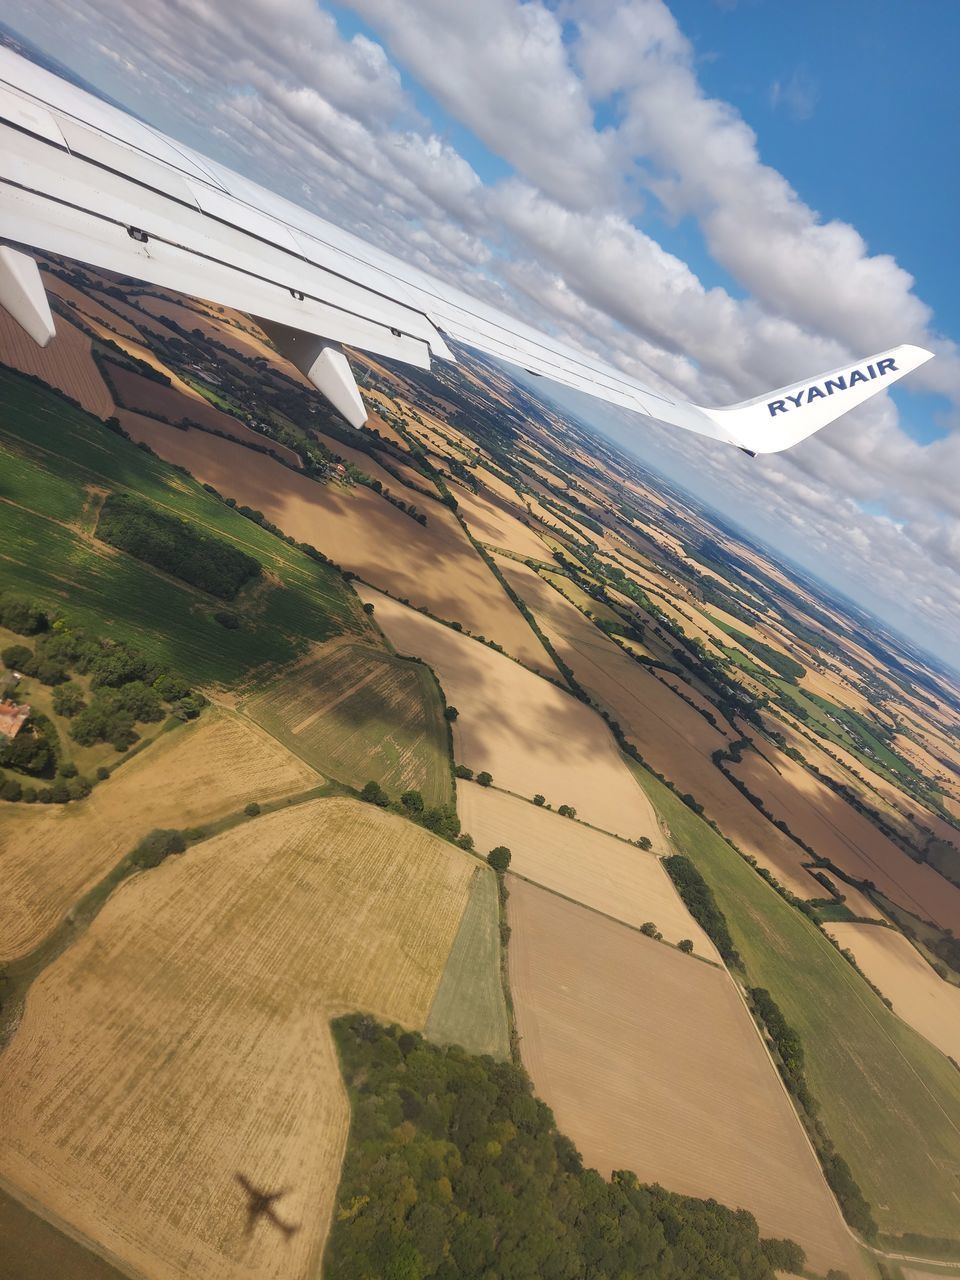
pixel 13 717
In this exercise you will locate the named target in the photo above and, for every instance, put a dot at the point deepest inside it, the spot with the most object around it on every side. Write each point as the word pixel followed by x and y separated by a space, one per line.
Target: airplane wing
pixel 85 180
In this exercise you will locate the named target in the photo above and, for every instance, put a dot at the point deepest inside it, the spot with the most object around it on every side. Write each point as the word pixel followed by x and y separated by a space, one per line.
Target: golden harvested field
pixel 491 521
pixel 51 855
pixel 850 841
pixel 184 1039
pixel 66 363
pixel 358 713
pixel 588 866
pixel 671 736
pixel 529 734
pixel 434 566
pixel 90 308
pixel 921 998
pixel 651 1062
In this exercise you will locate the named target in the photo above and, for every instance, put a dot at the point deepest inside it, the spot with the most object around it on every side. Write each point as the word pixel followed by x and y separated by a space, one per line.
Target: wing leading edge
pixel 82 179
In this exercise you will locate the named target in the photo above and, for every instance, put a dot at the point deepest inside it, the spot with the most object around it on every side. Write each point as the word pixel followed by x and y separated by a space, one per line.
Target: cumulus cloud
pixel 338 122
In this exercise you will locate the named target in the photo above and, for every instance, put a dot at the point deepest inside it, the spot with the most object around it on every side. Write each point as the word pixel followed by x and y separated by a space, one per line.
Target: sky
pixel 720 196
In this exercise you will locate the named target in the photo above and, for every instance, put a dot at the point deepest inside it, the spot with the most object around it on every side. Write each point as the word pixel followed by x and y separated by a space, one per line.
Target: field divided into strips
pixel 920 997
pixel 531 736
pixel 358 713
pixel 469 1008
pixel 434 566
pixel 588 866
pixel 889 1100
pixel 54 459
pixel 184 1038
pixel 650 1062
pixel 66 363
pixel 50 855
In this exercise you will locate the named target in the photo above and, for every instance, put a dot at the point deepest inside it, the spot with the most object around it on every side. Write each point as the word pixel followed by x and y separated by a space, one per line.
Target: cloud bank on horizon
pixel 530 152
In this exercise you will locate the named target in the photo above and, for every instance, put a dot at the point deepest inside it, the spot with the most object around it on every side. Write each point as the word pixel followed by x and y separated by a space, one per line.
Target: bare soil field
pixel 651 1062
pixel 671 736
pixel 490 520
pixel 469 1008
pixel 836 831
pixel 50 855
pixel 358 713
pixel 183 1040
pixel 66 363
pixel 592 868
pixel 531 736
pixel 921 998
pixel 434 566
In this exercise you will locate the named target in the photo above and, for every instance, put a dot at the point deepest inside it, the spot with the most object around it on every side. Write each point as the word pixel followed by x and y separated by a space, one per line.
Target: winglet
pixel 780 419
pixel 22 294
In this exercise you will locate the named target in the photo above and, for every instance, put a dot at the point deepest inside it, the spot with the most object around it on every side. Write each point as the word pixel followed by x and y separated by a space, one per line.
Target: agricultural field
pixel 358 713
pixel 920 997
pixel 67 364
pixel 435 567
pixel 864 1065
pixel 849 840
pixel 531 736
pixel 469 1008
pixel 50 855
pixel 651 1062
pixel 492 521
pixel 57 462
pixel 587 866
pixel 183 1041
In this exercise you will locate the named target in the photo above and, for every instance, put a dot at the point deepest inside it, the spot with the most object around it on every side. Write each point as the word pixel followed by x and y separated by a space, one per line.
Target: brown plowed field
pixel 836 831
pixel 921 998
pixel 66 363
pixel 588 866
pixel 434 566
pixel 50 855
pixel 651 1062
pixel 491 520
pixel 184 1039
pixel 670 735
pixel 530 735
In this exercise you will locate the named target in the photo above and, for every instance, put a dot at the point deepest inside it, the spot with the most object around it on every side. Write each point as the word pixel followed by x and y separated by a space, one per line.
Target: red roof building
pixel 13 717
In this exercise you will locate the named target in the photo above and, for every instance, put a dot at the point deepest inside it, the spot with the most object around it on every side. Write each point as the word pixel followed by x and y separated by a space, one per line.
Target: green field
pixel 469 1007
pixel 34 1249
pixel 357 713
pixel 888 1099
pixel 57 463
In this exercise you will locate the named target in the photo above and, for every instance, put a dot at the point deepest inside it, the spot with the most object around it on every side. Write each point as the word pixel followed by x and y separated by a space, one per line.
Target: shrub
pixel 228 620
pixel 465 842
pixel 650 930
pixel 685 944
pixel 368 608
pixel 463 771
pixel 484 778
pixel 567 811
pixel 16 657
pixel 23 616
pixel 451 714
pixel 499 858
pixel 645 842
pixel 68 700
pixel 539 799
pixel 251 809
pixel 373 793
pixel 156 846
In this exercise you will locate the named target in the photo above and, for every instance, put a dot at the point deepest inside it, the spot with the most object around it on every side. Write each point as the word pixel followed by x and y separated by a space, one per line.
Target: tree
pixel 539 799
pixel 451 714
pixel 368 608
pixel 68 700
pixel 567 811
pixel 373 793
pixel 251 809
pixel 645 842
pixel 784 1255
pixel 650 930
pixel 16 657
pixel 23 616
pixel 685 944
pixel 156 846
pixel 484 778
pixel 463 771
pixel 465 841
pixel 412 801
pixel 499 858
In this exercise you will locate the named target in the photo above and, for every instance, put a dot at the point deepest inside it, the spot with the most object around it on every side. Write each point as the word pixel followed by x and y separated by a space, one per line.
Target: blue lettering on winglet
pixel 842 382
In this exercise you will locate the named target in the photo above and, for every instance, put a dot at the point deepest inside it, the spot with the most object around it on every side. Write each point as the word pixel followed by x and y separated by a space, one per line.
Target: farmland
pixel 587 866
pixel 613 1028
pixel 197 773
pixel 67 365
pixel 184 1037
pixel 922 999
pixel 531 736
pixel 895 1118
pixel 469 1008
pixel 59 457
pixel 358 713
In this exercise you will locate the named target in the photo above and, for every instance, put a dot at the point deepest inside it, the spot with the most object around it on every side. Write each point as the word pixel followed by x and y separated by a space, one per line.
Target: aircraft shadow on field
pixel 260 1205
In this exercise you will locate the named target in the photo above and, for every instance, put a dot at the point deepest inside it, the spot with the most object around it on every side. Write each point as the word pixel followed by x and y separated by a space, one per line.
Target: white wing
pixel 81 178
